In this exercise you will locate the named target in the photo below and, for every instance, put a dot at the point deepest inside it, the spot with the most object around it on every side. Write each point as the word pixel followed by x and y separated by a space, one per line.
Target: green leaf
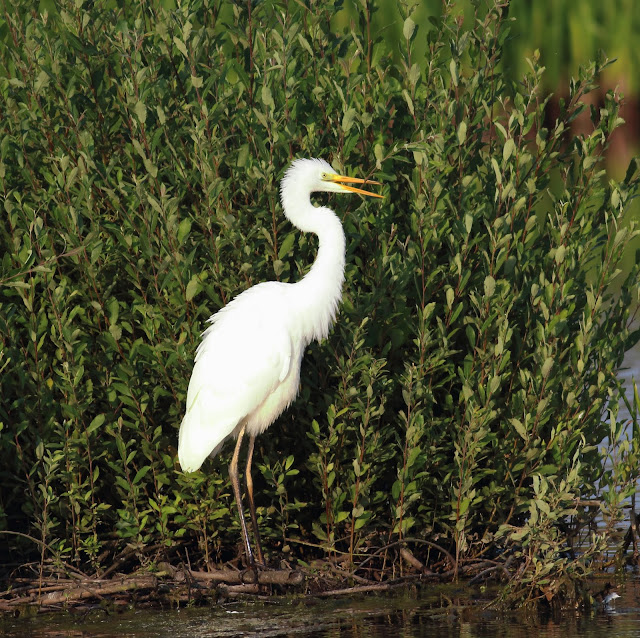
pixel 305 44
pixel 183 230
pixel 464 506
pixel 519 427
pixel 116 331
pixel 96 423
pixel 508 149
pixel 496 170
pixel 267 98
pixel 140 474
pixel 286 245
pixel 348 119
pixel 453 70
pixel 193 287
pixel 408 28
pixel 462 132
pixel 141 112
pixel 181 46
pixel 489 286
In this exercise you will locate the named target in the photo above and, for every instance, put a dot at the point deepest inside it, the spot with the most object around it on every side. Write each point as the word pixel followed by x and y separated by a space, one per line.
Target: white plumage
pixel 247 367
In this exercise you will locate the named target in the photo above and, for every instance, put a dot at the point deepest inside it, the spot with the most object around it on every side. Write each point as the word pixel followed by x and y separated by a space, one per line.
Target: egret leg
pixel 252 507
pixel 235 483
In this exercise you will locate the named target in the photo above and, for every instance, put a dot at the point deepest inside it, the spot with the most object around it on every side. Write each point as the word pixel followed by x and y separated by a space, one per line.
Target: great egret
pixel 247 367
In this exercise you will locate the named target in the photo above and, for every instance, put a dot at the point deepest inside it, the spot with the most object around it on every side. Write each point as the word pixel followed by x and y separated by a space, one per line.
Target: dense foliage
pixel 460 400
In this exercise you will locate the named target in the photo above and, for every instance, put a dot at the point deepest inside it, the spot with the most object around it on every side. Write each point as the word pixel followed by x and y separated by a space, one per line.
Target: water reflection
pixel 372 616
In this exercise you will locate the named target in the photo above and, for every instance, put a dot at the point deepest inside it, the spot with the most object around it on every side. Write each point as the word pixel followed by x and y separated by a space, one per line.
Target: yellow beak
pixel 343 181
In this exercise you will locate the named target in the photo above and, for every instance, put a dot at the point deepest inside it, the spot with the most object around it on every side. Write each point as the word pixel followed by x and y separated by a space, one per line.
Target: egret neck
pixel 316 296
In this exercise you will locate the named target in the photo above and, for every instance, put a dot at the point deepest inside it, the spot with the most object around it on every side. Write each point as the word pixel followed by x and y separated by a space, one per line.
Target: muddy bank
pixel 58 588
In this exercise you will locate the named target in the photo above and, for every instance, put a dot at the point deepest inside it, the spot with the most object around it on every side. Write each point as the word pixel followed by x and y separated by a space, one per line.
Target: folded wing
pixel 243 358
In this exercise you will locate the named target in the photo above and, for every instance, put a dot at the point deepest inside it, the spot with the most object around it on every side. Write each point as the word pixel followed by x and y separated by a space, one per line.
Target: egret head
pixel 317 175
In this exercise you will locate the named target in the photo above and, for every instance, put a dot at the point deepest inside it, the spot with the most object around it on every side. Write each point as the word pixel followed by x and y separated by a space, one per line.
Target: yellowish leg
pixel 252 507
pixel 235 483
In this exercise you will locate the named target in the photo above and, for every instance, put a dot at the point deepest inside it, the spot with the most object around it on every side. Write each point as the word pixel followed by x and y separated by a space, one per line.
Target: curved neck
pixel 317 295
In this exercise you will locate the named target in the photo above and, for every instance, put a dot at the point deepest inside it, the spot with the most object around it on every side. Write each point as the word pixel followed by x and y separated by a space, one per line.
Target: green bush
pixel 461 397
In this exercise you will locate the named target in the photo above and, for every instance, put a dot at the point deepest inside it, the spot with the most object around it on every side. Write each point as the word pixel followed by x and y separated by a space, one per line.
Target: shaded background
pixel 567 33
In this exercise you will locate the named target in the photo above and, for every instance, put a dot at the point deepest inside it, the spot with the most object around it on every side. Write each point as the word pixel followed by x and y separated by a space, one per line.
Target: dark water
pixel 375 616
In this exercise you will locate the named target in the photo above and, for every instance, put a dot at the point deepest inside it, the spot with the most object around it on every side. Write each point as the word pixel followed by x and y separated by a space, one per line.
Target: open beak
pixel 343 181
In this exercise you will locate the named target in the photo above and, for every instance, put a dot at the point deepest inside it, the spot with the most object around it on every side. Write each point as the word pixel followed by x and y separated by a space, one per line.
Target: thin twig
pixel 360 589
pixel 408 540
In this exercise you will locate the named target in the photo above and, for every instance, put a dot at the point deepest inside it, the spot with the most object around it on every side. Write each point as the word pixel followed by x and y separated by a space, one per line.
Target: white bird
pixel 609 598
pixel 247 367
pixel 606 597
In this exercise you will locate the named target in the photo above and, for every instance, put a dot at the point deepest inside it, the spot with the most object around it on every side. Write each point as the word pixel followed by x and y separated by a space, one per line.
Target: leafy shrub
pixel 462 394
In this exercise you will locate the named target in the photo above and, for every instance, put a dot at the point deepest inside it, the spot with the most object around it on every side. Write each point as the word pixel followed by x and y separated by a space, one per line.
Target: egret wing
pixel 242 359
